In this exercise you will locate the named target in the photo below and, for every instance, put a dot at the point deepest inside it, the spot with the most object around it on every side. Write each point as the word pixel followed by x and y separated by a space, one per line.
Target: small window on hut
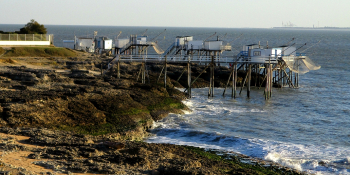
pixel 257 53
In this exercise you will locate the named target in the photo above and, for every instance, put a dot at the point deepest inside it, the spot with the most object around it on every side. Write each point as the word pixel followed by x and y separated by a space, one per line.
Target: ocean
pixel 305 128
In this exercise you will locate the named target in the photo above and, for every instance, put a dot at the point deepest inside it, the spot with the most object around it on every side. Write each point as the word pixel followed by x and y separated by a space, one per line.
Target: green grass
pixel 39 52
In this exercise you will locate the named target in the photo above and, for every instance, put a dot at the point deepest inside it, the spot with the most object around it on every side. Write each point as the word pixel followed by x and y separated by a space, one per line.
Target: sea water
pixel 305 128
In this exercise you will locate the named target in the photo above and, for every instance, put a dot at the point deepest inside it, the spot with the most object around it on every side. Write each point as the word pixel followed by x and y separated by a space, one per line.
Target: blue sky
pixel 179 13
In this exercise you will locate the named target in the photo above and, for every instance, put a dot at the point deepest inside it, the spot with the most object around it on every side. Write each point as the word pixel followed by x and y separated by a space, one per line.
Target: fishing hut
pixel 104 45
pixel 84 43
pixel 137 45
pixel 279 66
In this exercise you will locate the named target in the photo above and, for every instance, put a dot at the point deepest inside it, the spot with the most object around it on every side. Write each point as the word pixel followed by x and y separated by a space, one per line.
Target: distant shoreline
pixel 327 28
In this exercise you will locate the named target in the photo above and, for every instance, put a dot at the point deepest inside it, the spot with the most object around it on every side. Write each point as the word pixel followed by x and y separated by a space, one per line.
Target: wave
pixel 320 159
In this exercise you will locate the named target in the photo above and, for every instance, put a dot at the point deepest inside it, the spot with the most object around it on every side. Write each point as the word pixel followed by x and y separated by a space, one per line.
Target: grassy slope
pixel 39 52
pixel 2 50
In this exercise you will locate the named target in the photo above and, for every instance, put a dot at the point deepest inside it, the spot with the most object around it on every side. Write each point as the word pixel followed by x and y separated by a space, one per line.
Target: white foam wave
pixel 199 128
pixel 313 159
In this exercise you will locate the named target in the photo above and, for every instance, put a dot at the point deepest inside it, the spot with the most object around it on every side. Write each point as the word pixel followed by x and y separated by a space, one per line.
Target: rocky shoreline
pixel 78 121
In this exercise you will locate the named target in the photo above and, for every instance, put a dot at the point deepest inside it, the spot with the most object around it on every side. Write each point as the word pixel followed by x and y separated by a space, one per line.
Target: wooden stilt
pixel 271 74
pixel 266 92
pixel 290 82
pixel 249 80
pixel 245 79
pixel 138 75
pixel 210 80
pixel 118 69
pixel 160 74
pixel 165 70
pixel 228 81
pixel 181 74
pixel 198 76
pixel 189 79
pixel 235 81
pixel 143 74
pixel 256 74
pixel 213 84
pixel 149 81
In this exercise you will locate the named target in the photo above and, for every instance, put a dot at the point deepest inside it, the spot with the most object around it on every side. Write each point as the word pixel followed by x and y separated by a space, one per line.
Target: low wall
pixel 26 39
pixel 24 43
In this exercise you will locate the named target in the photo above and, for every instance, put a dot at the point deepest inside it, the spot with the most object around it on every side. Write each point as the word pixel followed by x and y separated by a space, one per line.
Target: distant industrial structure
pixel 288 24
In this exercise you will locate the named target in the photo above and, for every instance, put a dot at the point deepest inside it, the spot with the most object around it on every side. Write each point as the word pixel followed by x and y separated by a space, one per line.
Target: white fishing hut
pixel 86 44
pixel 194 45
pixel 141 40
pixel 181 40
pixel 288 50
pixel 138 40
pixel 255 54
pixel 120 43
pixel 104 43
pixel 213 45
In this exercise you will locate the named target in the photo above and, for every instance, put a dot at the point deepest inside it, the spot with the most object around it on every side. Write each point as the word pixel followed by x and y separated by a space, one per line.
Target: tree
pixel 33 27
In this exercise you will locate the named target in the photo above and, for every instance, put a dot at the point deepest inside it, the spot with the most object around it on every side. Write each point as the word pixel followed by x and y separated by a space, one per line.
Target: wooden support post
pixel 256 74
pixel 249 80
pixel 198 76
pixel 138 75
pixel 297 79
pixel 143 78
pixel 213 64
pixel 266 92
pixel 183 71
pixel 149 81
pixel 165 71
pixel 189 79
pixel 271 75
pixel 118 69
pixel 289 80
pixel 228 81
pixel 245 79
pixel 235 81
pixel 160 74
pixel 210 80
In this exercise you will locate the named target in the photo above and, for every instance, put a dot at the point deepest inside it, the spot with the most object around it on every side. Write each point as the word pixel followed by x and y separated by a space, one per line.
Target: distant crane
pixel 288 24
pixel 210 36
pixel 222 37
pixel 157 35
pixel 143 34
pixel 119 34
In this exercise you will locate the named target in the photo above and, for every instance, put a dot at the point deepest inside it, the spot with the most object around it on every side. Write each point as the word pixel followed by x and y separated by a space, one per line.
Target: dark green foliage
pixel 33 27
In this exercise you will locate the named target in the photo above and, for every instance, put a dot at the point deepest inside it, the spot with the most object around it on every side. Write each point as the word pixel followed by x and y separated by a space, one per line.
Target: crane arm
pixel 210 36
pixel 158 35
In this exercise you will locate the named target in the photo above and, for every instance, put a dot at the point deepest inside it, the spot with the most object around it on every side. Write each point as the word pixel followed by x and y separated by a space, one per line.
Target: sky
pixel 179 13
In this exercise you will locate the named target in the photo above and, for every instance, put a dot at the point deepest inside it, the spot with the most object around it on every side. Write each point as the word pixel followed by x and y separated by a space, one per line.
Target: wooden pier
pixel 275 72
pixel 279 66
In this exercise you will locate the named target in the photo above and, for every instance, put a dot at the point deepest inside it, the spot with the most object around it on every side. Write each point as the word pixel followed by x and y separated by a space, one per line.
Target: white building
pixel 86 44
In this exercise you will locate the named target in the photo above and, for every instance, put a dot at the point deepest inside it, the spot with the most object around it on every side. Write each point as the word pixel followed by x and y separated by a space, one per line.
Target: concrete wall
pixel 24 43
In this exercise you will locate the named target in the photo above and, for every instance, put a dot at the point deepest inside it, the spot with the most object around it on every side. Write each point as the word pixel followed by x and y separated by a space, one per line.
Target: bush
pixel 33 27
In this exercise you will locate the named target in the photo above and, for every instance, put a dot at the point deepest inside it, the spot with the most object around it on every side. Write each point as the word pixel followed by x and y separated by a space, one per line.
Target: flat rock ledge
pixel 67 153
